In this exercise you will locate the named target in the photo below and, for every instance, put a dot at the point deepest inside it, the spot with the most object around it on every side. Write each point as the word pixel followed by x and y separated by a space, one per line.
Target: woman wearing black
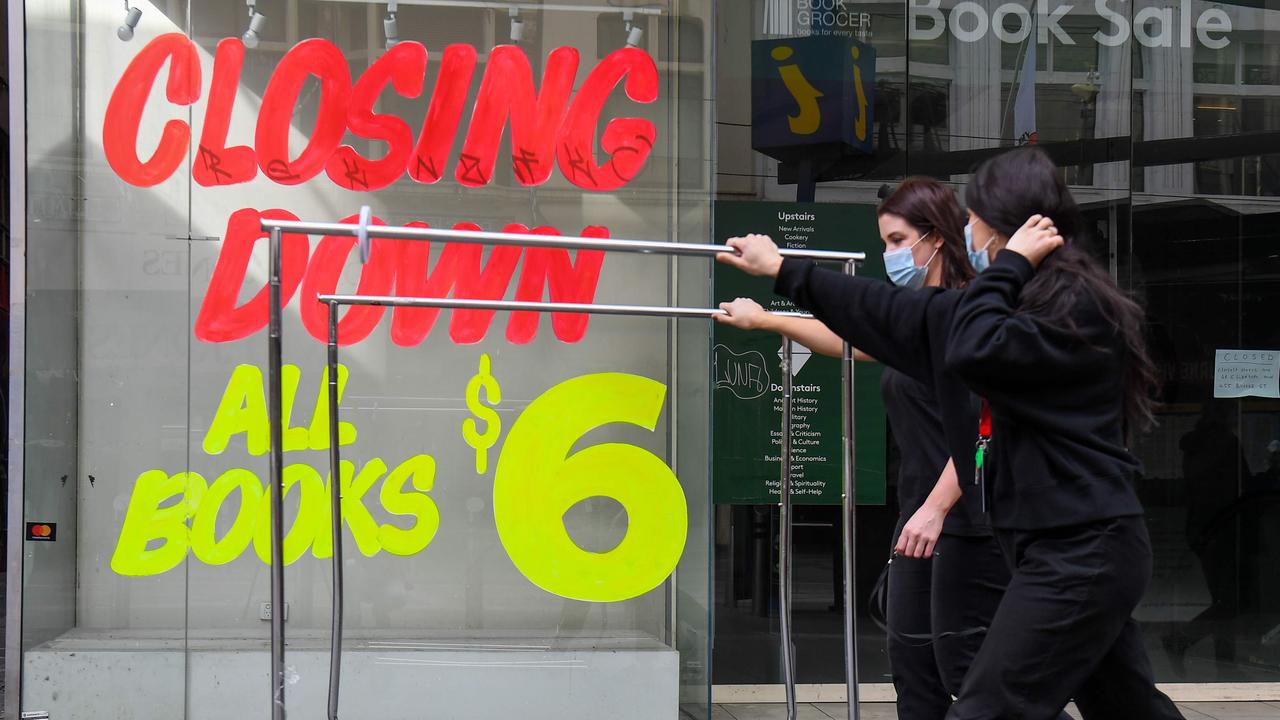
pixel 1057 351
pixel 949 575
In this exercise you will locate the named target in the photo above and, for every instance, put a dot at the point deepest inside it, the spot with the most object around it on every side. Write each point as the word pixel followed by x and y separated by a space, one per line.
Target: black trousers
pixel 956 590
pixel 1063 629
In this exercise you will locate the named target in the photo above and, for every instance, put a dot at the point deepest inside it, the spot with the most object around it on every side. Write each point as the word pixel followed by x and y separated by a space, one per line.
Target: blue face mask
pixel 900 266
pixel 979 259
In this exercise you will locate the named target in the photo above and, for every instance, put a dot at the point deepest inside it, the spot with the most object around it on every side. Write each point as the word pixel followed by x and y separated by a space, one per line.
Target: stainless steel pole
pixel 335 516
pixel 366 232
pixel 554 307
pixel 784 544
pixel 275 411
pixel 849 511
pixel 580 308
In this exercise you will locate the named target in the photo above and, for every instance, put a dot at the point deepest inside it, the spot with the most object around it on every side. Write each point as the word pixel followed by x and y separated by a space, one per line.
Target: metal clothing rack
pixel 364 232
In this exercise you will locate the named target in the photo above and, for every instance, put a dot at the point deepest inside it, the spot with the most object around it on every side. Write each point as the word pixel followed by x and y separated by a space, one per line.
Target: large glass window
pixel 153 160
pixel 1167 137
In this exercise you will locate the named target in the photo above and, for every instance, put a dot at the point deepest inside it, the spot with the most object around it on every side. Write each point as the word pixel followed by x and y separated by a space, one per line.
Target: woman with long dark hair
pixel 948 574
pixel 1057 351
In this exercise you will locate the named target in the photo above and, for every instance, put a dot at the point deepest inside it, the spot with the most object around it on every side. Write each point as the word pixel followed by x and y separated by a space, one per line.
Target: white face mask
pixel 900 265
pixel 979 259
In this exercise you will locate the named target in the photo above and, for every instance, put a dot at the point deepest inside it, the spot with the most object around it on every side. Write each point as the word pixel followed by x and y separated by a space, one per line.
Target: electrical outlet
pixel 264 611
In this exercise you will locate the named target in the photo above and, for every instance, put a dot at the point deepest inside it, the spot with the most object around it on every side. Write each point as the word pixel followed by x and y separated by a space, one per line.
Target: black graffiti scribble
pixel 279 171
pixel 213 163
pixel 625 148
pixel 613 168
pixel 429 165
pixel 471 172
pixel 523 163
pixel 577 164
pixel 355 174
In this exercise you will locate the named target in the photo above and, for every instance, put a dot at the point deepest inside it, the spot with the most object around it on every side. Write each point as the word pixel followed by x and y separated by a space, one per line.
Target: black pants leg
pixel 1063 629
pixel 969 578
pixel 1122 686
pixel 921 693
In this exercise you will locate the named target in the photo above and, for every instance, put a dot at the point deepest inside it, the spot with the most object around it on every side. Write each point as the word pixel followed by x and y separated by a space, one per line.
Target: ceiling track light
pixel 517 25
pixel 257 21
pixel 131 17
pixel 635 33
pixel 390 29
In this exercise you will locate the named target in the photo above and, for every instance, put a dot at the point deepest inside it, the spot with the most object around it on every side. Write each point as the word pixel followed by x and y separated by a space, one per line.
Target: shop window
pixel 1011 53
pixel 211 18
pixel 889 35
pixel 344 23
pixel 436 26
pixel 221 19
pixel 689 136
pixel 1137 133
pixel 690 39
pixel 611 32
pixel 928 110
pixel 1217 115
pixel 1061 115
pixel 935 51
pixel 888 112
pixel 1214 66
pixel 1082 56
pixel 1260 173
pixel 1261 63
pixel 688 31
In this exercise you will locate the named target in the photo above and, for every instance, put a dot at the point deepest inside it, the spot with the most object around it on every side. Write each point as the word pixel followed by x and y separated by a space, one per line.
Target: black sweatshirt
pixel 1057 403
pixel 907 331
pixel 922 444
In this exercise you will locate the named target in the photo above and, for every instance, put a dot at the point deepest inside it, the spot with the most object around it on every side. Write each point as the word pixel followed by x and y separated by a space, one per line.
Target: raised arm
pixel 992 344
pixel 883 321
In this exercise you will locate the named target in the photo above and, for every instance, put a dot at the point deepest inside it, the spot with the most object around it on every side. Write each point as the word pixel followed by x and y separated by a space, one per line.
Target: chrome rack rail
pixel 365 232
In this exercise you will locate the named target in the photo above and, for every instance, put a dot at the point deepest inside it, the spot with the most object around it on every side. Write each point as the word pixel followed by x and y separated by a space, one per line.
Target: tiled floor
pixel 885 711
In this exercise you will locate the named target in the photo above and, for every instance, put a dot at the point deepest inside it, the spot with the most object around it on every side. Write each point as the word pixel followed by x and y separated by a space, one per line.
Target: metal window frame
pixel 17 200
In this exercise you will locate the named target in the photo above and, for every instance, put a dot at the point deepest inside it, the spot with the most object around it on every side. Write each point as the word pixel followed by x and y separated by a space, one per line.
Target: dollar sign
pixel 493 424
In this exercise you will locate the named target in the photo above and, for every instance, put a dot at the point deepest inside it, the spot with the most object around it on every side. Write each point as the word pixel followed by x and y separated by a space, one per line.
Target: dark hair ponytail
pixel 929 206
pixel 1013 186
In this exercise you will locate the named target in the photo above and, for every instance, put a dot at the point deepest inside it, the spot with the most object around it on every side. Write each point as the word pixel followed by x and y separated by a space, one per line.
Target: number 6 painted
pixel 537 481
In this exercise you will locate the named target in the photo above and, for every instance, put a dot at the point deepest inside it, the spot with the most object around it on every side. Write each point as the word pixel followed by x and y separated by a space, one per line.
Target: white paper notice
pixel 1242 373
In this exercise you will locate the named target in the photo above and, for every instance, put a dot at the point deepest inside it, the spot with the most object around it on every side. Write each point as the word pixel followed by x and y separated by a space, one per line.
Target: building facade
pixel 152 138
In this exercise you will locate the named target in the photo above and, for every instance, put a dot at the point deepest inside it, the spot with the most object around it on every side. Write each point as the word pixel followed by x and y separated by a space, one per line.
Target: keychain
pixel 980 458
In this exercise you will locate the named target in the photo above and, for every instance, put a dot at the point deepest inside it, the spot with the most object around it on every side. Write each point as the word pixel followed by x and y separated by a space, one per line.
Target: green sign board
pixel 747 403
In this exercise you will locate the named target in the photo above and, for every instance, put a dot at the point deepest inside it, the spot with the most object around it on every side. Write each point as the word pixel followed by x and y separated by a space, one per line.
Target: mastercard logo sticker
pixel 42 532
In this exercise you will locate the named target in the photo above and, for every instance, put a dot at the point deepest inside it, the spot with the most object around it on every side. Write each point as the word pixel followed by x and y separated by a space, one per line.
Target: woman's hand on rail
pixel 757 255
pixel 744 314
pixel 1036 239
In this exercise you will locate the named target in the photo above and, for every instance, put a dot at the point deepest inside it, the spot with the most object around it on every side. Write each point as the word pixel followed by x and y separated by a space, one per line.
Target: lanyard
pixel 980 458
